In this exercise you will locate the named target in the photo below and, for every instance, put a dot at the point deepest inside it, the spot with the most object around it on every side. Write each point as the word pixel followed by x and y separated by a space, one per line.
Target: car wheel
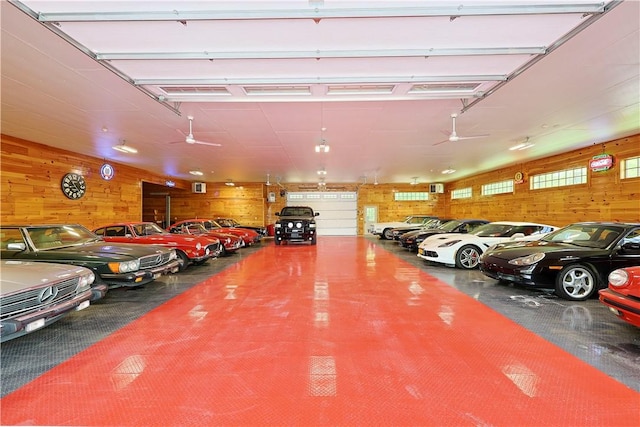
pixel 468 257
pixel 184 260
pixel 313 241
pixel 387 234
pixel 277 242
pixel 576 283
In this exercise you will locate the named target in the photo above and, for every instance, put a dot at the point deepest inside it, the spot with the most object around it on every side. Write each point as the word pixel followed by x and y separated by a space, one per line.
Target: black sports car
pixel 574 260
pixel 412 239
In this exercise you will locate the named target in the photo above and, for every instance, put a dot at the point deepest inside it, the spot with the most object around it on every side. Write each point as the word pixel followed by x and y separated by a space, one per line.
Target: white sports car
pixel 464 250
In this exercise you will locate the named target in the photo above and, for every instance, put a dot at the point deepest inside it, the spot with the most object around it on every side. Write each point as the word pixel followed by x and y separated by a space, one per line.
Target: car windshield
pixel 449 226
pixel 148 229
pixel 295 211
pixel 494 230
pixel 225 222
pixel 587 235
pixel 57 236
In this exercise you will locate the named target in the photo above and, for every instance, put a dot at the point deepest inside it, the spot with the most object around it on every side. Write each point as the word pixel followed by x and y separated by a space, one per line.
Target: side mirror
pixel 316 214
pixel 277 213
pixel 631 247
pixel 21 246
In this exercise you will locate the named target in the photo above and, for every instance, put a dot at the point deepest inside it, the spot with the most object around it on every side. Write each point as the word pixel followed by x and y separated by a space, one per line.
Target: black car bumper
pixel 140 277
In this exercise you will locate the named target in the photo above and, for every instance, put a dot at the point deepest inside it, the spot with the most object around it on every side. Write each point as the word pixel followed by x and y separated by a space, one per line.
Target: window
pixel 498 188
pixel 410 196
pixel 562 178
pixel 630 168
pixel 461 193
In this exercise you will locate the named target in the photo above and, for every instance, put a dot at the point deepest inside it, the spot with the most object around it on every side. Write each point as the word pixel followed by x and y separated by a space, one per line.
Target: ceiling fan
pixel 454 137
pixel 189 139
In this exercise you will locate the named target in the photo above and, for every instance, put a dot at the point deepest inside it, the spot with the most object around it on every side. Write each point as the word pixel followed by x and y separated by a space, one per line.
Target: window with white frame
pixel 461 193
pixel 410 196
pixel 630 168
pixel 498 188
pixel 574 176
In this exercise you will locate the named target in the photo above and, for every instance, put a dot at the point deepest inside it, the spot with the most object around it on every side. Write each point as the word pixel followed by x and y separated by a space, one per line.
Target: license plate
pixel 36 324
pixel 82 305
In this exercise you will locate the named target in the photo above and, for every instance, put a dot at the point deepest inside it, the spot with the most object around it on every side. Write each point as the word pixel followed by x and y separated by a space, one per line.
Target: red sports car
pixel 230 243
pixel 623 294
pixel 249 237
pixel 190 249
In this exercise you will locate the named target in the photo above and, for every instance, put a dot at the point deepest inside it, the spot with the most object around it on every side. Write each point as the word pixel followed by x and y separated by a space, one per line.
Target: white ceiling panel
pixel 87 75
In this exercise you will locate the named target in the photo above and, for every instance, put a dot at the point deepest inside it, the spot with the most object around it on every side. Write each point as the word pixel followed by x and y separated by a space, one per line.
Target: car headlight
pixel 449 243
pixel 528 260
pixel 290 225
pixel 86 280
pixel 173 255
pixel 198 246
pixel 619 278
pixel 298 225
pixel 124 267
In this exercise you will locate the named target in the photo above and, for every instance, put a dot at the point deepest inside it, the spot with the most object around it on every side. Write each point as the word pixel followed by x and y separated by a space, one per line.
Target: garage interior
pixel 355 330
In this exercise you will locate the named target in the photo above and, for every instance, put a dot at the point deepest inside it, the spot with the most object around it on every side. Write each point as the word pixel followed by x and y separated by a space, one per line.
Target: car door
pixel 627 251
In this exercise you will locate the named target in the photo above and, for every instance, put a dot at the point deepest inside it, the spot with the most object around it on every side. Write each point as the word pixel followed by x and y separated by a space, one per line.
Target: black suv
pixel 296 224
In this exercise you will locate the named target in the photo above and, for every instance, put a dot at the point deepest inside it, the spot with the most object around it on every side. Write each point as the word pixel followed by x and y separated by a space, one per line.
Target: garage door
pixel 338 211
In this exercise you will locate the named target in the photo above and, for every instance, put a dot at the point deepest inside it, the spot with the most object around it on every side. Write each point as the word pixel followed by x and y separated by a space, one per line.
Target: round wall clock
pixel 73 185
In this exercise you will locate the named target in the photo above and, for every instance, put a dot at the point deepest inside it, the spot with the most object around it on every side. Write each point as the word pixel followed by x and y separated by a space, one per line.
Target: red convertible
pixel 230 243
pixel 249 237
pixel 190 249
pixel 623 294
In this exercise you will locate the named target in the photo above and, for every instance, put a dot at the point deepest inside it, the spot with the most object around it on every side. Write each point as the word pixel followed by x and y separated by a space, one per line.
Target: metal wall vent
pixel 359 89
pixel 277 90
pixel 195 90
pixel 444 87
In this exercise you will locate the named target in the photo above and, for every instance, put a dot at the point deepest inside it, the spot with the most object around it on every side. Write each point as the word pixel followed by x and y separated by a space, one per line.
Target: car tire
pixel 576 282
pixel 313 241
pixel 277 242
pixel 184 260
pixel 468 257
pixel 387 234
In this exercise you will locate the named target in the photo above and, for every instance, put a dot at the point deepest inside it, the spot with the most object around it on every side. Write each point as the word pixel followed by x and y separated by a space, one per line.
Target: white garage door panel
pixel 338 211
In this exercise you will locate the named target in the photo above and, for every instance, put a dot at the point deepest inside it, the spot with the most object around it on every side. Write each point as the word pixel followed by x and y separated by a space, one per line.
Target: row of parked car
pixel 50 270
pixel 579 261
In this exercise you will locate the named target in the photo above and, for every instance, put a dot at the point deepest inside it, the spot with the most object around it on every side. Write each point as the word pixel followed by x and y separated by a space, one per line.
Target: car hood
pixel 19 275
pixel 100 250
pixel 295 218
pixel 555 250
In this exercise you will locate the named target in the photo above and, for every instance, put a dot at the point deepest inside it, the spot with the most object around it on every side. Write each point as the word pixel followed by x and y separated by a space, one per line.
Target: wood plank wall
pixel 31 174
pixel 605 197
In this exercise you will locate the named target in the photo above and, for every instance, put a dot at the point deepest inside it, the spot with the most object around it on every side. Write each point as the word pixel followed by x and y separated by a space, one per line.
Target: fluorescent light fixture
pixel 360 89
pixel 322 172
pixel 277 90
pixel 196 172
pixel 414 181
pixel 230 183
pixel 448 171
pixel 125 149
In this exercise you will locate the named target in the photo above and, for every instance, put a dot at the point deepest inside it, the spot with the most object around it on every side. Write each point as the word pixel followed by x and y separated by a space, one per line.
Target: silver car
pixel 36 294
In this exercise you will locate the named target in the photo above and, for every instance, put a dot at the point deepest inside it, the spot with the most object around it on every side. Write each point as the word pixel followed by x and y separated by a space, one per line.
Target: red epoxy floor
pixel 343 333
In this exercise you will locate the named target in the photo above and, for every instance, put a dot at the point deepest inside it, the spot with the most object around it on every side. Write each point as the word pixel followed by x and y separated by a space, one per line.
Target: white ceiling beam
pixel 470 9
pixel 321 80
pixel 316 54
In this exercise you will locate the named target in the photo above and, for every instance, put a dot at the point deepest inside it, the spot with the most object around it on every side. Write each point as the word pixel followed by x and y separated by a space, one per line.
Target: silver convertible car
pixel 36 294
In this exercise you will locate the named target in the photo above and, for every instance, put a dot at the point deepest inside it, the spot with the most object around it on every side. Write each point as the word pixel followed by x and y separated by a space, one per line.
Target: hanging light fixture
pixel 230 183
pixel 268 183
pixel 323 147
